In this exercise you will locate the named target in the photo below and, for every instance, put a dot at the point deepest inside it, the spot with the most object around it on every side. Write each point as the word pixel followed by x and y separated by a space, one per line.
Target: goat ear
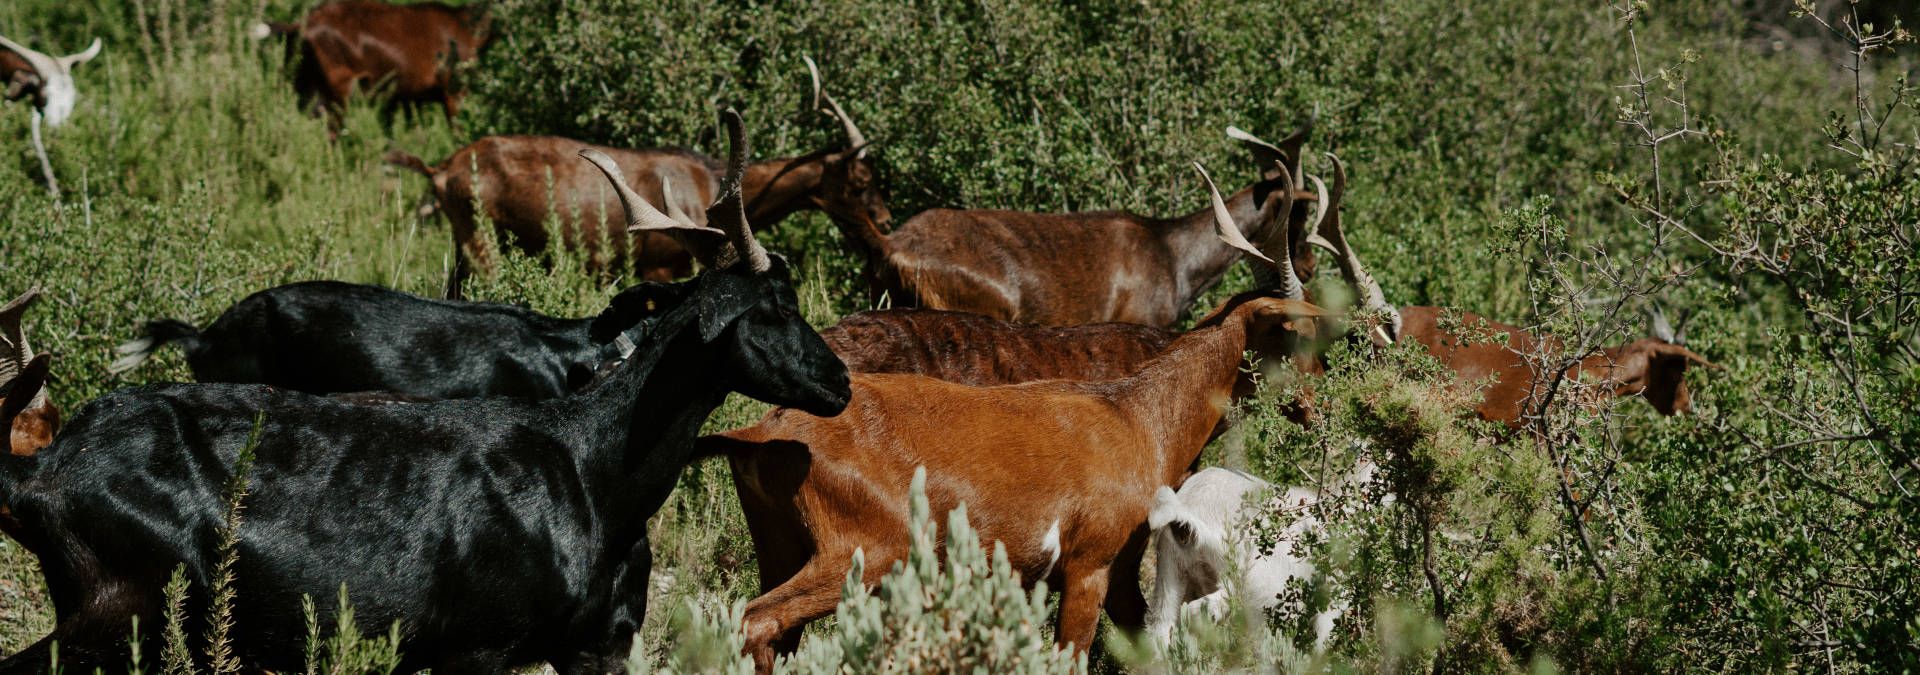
pixel 22 390
pixel 1182 532
pixel 632 306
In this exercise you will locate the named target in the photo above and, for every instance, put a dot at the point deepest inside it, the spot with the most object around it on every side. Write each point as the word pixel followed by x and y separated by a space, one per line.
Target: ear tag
pixel 624 344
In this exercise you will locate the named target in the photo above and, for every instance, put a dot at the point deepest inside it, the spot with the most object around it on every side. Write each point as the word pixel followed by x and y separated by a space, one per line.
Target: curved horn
pixel 673 205
pixel 1229 232
pixel 1223 224
pixel 14 350
pixel 71 60
pixel 729 212
pixel 1372 299
pixel 1320 209
pixel 641 216
pixel 855 139
pixel 46 65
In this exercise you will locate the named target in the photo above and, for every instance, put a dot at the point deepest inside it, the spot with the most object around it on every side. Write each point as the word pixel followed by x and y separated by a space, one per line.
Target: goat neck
pixel 1181 395
pixel 642 432
pixel 777 188
pixel 1200 260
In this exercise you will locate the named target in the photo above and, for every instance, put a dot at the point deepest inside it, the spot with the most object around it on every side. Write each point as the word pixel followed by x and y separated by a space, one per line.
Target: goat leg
pixel 46 166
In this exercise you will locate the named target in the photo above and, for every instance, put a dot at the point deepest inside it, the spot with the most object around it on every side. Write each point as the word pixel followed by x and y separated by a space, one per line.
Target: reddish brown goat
pixel 1061 472
pixel 1654 368
pixel 411 52
pixel 513 176
pixel 1076 268
pixel 983 351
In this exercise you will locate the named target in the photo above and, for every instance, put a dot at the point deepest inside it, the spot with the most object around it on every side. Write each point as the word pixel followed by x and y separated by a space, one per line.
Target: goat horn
pixel 1223 220
pixel 640 215
pixel 12 339
pixel 855 139
pixel 47 66
pixel 673 205
pixel 71 60
pixel 813 73
pixel 729 213
pixel 1229 232
pixel 1321 207
pixel 1372 298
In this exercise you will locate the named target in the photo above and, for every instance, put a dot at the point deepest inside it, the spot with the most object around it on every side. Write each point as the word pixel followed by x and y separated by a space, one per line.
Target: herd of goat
pixel 483 474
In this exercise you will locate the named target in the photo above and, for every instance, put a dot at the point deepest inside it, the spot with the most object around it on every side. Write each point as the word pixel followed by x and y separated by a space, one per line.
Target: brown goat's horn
pixel 673 205
pixel 855 139
pixel 642 216
pixel 1229 232
pixel 729 213
pixel 14 350
pixel 1334 239
pixel 46 66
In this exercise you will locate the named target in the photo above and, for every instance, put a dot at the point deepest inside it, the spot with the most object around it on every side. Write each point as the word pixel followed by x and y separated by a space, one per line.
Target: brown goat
pixel 1654 368
pixel 1096 449
pixel 1061 472
pixel 510 176
pixel 976 350
pixel 410 51
pixel 1076 268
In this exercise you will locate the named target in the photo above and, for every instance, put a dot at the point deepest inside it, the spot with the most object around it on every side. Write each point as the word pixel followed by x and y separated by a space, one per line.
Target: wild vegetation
pixel 1559 166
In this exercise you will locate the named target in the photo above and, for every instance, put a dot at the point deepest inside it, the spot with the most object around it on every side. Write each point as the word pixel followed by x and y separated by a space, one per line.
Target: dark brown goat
pixel 1076 268
pixel 1654 368
pixel 513 176
pixel 983 351
pixel 410 51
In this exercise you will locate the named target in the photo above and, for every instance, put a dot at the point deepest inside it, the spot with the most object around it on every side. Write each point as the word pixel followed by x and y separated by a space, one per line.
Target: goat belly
pixel 466 526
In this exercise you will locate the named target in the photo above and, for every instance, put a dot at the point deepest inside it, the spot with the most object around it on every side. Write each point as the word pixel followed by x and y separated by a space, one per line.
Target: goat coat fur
pixel 983 351
pixel 1061 472
pixel 1200 527
pixel 326 337
pixel 497 532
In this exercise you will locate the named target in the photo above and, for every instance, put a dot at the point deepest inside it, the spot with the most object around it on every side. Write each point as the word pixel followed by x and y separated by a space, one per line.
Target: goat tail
pixel 267 29
pixel 406 161
pixel 135 352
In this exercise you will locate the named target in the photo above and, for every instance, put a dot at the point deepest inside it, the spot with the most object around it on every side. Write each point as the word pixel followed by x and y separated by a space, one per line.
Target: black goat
pixel 326 337
pixel 498 532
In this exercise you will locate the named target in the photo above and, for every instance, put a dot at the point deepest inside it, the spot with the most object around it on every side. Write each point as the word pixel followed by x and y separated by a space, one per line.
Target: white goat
pixel 1194 535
